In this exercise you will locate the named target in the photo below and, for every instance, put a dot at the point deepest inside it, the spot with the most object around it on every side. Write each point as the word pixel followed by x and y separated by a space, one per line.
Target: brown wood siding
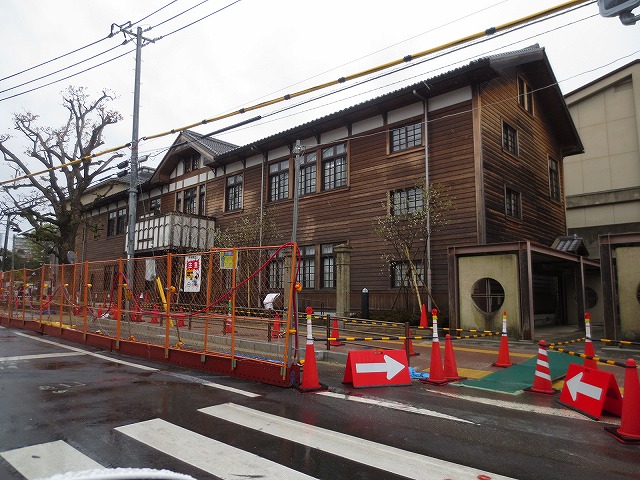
pixel 92 243
pixel 543 219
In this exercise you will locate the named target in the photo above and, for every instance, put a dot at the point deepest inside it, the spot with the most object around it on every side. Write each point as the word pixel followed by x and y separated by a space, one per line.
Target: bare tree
pixel 53 196
pixel 410 221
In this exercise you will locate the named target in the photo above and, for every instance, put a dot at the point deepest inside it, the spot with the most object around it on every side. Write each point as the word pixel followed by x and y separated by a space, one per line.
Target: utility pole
pixel 133 170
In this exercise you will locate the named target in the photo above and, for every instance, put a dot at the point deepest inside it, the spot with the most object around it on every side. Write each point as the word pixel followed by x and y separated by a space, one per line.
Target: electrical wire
pixel 470 38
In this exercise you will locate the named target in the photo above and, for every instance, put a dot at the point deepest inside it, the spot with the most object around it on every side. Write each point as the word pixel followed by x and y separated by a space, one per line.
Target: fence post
pixel 328 331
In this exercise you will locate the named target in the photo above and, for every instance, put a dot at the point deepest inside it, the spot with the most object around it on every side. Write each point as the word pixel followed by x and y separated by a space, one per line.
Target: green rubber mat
pixel 514 379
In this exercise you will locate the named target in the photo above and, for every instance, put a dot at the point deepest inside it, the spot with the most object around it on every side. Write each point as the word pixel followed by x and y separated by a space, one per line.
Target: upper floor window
pixel 202 200
pixel 179 201
pixel 154 206
pixel 328 261
pixel 509 139
pixel 554 179
pixel 307 181
pixel 512 203
pixel 406 201
pixel 117 222
pixel 190 195
pixel 405 137
pixel 234 193
pixel 279 180
pixel 334 166
pixel 525 95
pixel 190 164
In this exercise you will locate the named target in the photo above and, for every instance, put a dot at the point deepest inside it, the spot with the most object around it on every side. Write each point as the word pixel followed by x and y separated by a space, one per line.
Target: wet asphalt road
pixel 49 392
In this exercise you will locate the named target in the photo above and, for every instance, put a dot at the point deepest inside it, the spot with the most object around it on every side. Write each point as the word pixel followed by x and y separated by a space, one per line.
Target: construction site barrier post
pixel 588 344
pixel 504 359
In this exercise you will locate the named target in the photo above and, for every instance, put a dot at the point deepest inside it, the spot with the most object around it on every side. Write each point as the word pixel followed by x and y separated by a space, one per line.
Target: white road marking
pixel 47 459
pixel 86 352
pixel 210 455
pixel 386 458
pixel 206 383
pixel 39 356
pixel 523 407
pixel 394 405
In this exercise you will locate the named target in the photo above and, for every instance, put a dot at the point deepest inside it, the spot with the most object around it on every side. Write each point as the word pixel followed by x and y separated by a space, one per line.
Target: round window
pixel 488 295
pixel 590 297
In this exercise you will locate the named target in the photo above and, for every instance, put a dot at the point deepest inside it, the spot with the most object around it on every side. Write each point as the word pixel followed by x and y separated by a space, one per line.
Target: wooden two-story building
pixel 491 134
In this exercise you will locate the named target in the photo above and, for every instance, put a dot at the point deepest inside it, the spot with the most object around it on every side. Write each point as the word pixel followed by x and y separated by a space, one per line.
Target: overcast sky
pixel 254 50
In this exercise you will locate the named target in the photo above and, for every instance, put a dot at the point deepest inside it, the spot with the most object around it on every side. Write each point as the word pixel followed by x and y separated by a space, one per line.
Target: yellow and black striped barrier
pixel 606 361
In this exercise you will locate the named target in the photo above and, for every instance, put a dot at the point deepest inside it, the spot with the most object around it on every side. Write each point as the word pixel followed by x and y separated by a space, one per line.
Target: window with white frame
pixel 307 180
pixel 117 222
pixel 307 276
pixel 279 180
pixel 334 167
pixel 154 206
pixel 407 200
pixel 406 136
pixel 401 273
pixel 234 193
pixel 328 265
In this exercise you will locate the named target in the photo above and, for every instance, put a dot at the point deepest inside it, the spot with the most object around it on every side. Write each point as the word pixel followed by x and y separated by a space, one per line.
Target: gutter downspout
pixel 425 101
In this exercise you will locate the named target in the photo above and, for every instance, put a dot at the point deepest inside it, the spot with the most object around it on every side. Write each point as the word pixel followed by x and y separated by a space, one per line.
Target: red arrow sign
pixel 591 391
pixel 374 368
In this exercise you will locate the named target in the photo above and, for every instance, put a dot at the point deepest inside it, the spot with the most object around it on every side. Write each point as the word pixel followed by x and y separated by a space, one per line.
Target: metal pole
pixel 133 173
pixel 6 241
pixel 296 190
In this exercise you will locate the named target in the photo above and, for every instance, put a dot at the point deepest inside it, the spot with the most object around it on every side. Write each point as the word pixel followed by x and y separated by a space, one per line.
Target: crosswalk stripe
pixel 393 405
pixel 47 459
pixel 359 450
pixel 207 454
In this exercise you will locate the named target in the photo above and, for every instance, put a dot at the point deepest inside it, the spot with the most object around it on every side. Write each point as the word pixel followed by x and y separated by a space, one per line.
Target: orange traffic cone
pixel 408 347
pixel 542 376
pixel 629 431
pixel 450 366
pixel 335 333
pixel 275 330
pixel 310 381
pixel 588 344
pixel 503 354
pixel 154 314
pixel 424 323
pixel 436 372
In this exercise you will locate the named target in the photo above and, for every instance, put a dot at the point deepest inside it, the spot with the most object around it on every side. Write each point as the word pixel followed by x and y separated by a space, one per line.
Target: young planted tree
pixel 57 168
pixel 412 216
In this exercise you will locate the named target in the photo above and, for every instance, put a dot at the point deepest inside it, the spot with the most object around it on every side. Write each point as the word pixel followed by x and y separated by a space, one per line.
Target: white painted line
pixel 48 459
pixel 212 456
pixel 86 352
pixel 394 405
pixel 206 383
pixel 523 407
pixel 386 458
pixel 231 389
pixel 39 356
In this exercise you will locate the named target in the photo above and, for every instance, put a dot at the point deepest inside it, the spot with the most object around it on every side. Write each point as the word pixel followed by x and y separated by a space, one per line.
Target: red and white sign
pixel 591 391
pixel 377 368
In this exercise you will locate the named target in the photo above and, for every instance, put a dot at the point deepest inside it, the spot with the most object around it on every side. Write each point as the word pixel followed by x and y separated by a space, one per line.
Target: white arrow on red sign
pixel 575 385
pixel 390 366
